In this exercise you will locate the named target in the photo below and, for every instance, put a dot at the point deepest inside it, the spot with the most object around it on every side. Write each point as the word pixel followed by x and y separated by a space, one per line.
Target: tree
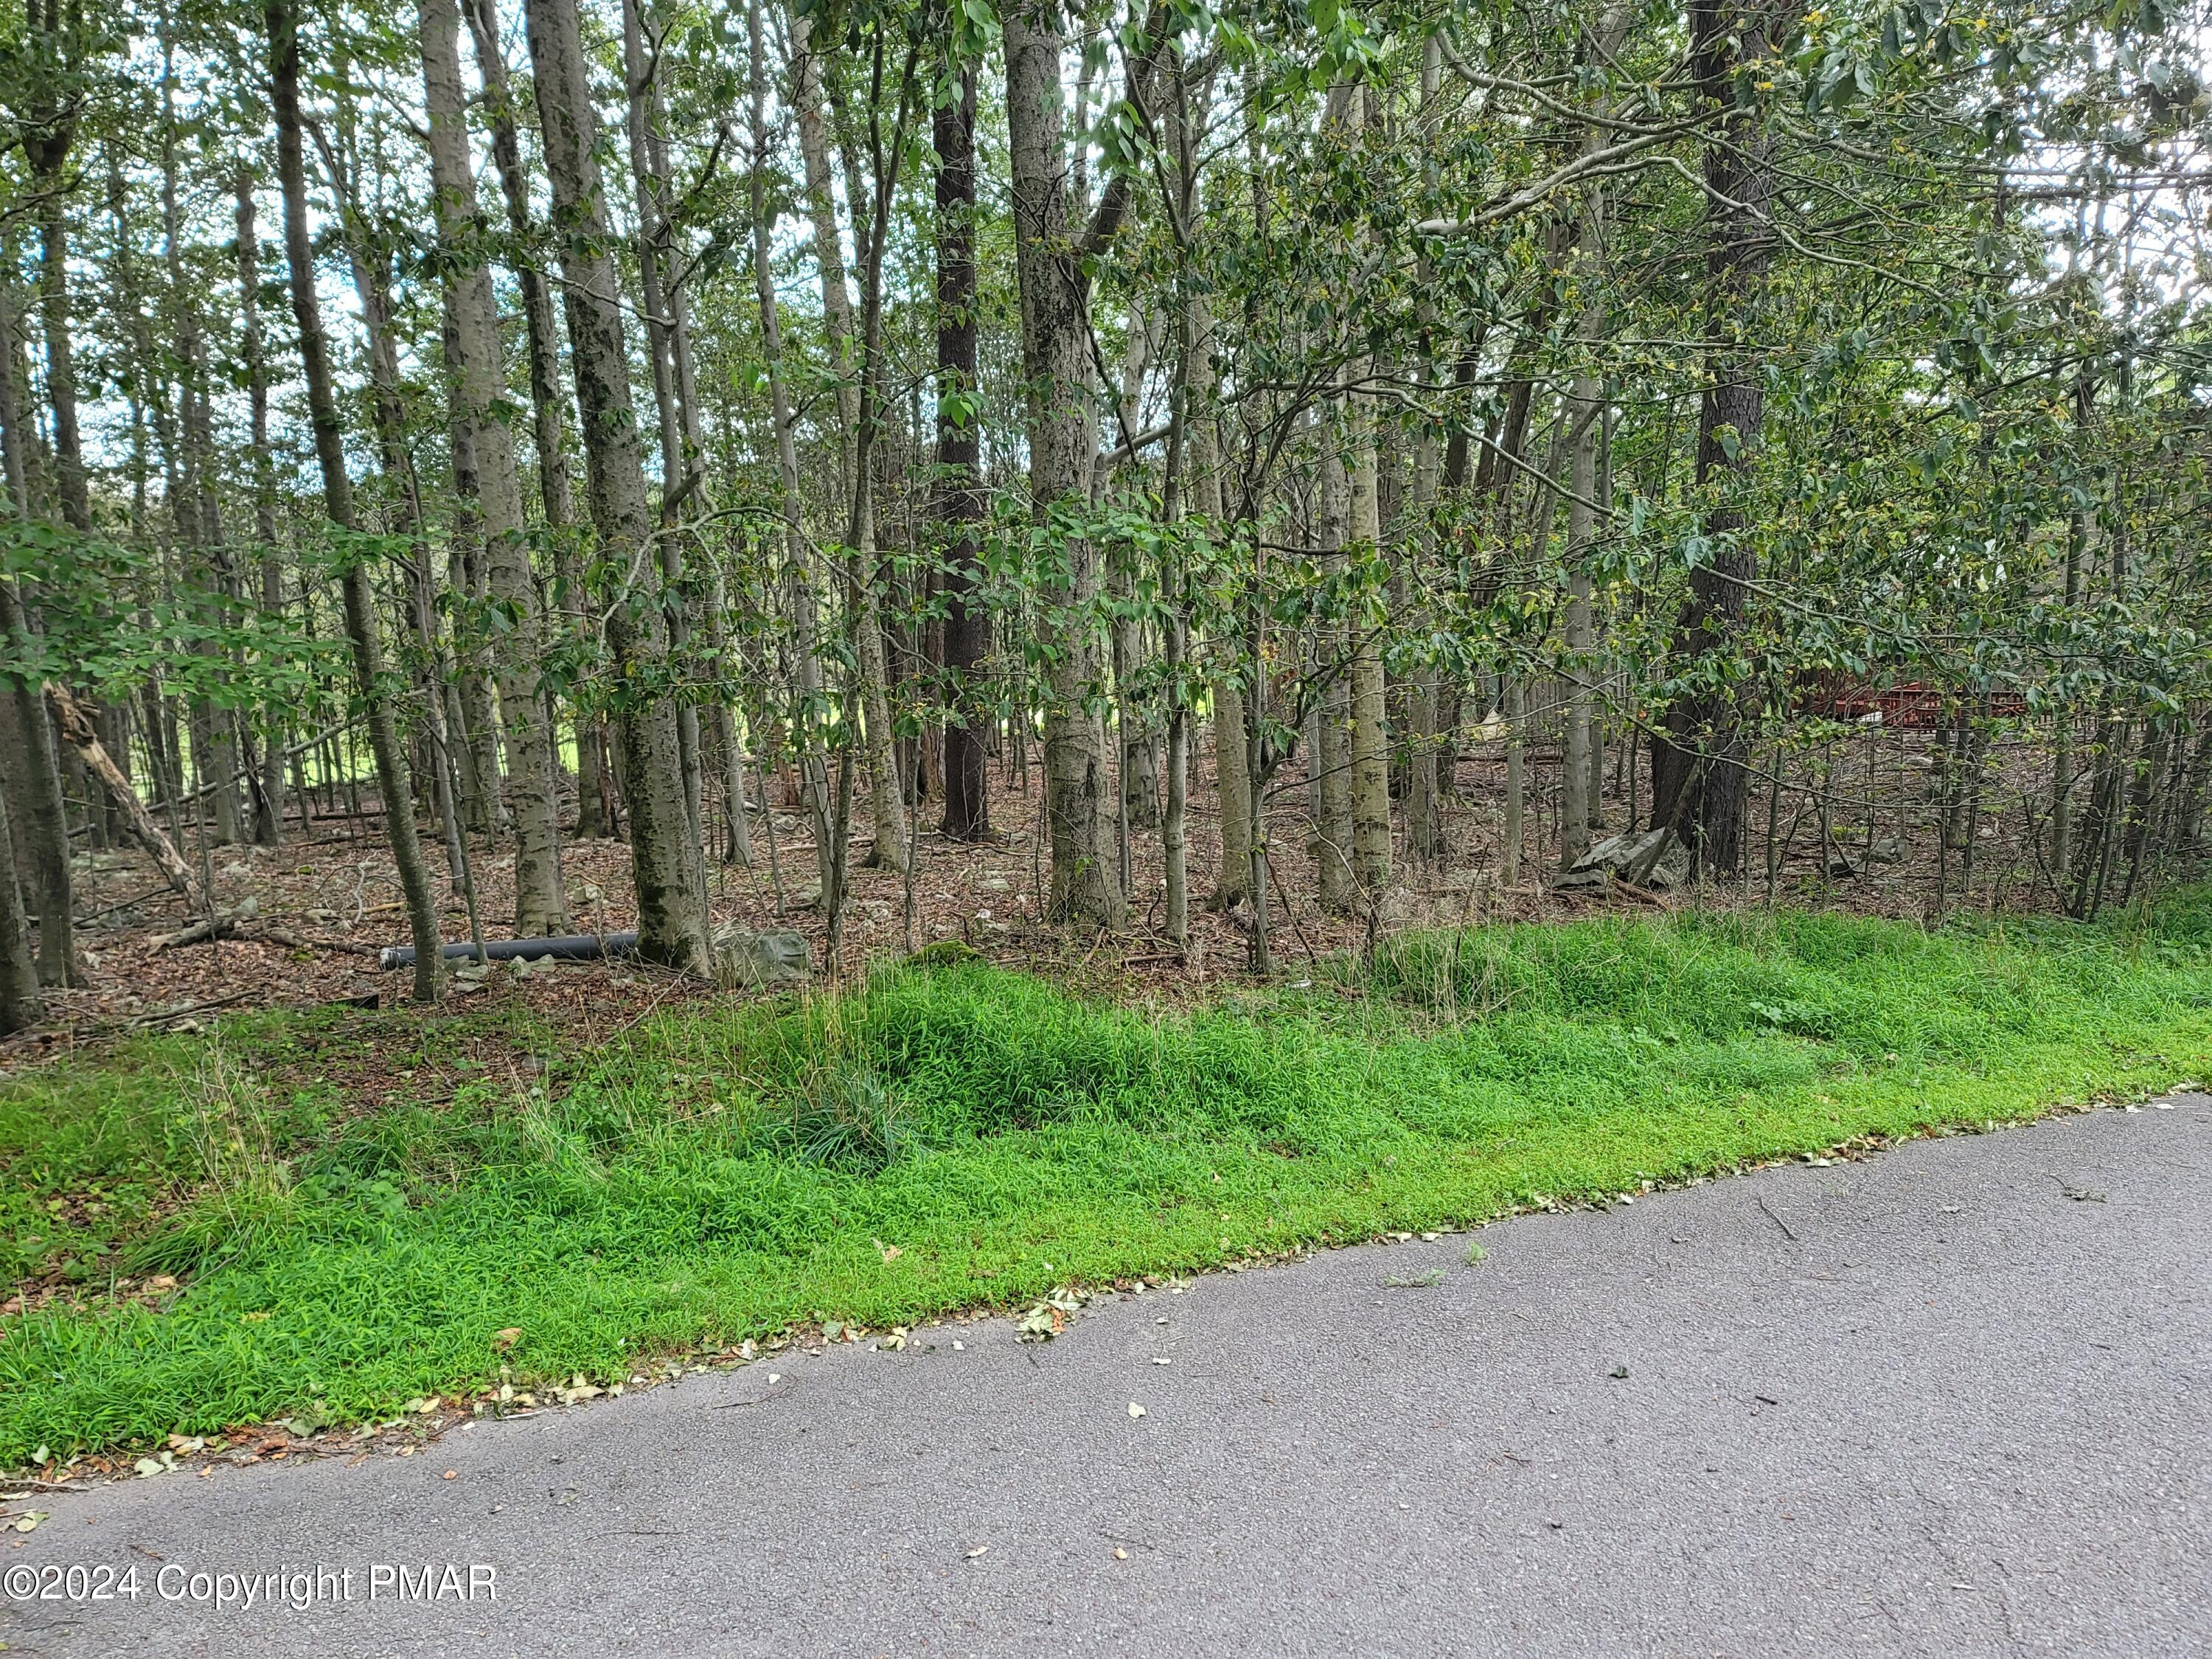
pixel 477 386
pixel 1086 884
pixel 664 859
pixel 956 499
pixel 394 783
pixel 1701 783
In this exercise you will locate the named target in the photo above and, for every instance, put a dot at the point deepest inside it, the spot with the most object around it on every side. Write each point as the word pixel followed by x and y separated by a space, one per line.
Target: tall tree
pixel 860 423
pixel 1700 781
pixel 476 385
pixel 28 764
pixel 665 861
pixel 957 499
pixel 19 1002
pixel 394 785
pixel 797 572
pixel 1055 302
pixel 57 42
pixel 268 794
pixel 548 423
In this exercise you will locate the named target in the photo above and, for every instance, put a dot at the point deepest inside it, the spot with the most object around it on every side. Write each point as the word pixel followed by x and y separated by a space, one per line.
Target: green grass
pixel 726 1171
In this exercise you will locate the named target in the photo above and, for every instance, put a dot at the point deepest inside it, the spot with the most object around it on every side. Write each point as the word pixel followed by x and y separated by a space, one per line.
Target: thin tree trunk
pixel 1055 308
pixel 1698 778
pixel 269 796
pixel 958 501
pixel 393 782
pixel 76 726
pixel 20 1005
pixel 672 922
pixel 654 276
pixel 1329 748
pixel 477 386
pixel 1580 762
pixel 33 771
pixel 49 155
pixel 859 416
pixel 195 502
pixel 1368 751
pixel 1233 777
pixel 546 399
pixel 797 570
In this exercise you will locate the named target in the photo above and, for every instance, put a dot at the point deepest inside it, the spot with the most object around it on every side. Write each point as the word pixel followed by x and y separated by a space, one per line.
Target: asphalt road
pixel 1928 1403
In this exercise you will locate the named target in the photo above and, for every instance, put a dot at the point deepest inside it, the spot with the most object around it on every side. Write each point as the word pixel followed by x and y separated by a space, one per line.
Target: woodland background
pixel 1189 483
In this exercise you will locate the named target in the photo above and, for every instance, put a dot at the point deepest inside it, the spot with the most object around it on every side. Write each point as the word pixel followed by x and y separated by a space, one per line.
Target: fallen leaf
pixel 979 1551
pixel 449 1475
pixel 28 1521
pixel 507 1337
pixel 1121 1555
pixel 1135 1410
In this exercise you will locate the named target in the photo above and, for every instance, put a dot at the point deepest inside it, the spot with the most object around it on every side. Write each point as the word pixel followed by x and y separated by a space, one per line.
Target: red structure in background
pixel 1911 706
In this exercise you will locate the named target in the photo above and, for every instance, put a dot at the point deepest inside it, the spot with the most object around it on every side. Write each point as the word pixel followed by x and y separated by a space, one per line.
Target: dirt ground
pixel 332 894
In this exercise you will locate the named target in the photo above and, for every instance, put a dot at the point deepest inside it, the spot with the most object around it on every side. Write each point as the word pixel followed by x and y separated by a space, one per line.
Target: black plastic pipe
pixel 568 947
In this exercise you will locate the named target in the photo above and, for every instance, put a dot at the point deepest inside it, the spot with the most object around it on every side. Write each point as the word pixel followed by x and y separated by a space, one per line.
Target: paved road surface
pixel 1925 1404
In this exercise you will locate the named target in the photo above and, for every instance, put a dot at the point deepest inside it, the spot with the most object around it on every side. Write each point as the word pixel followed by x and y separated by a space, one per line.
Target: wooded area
pixel 1281 472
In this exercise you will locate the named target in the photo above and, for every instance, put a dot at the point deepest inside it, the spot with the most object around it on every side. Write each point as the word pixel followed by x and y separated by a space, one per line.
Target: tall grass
pixel 726 1170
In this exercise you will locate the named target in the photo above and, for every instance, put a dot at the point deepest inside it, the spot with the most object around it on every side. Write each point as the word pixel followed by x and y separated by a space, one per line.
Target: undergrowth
pixel 953 1135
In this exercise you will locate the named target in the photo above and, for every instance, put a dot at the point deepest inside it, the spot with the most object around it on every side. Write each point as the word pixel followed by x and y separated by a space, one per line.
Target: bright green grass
pixel 725 1171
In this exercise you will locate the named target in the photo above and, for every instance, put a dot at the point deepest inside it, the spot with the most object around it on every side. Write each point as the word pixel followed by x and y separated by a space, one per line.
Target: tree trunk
pixel 268 794
pixel 672 922
pixel 958 501
pixel 858 416
pixel 476 386
pixel 393 783
pixel 546 397
pixel 653 282
pixel 76 726
pixel 1701 783
pixel 798 571
pixel 1367 752
pixel 1233 777
pixel 195 499
pixel 32 771
pixel 1580 760
pixel 1329 752
pixel 1424 807
pixel 1055 307
pixel 20 1005
pixel 49 155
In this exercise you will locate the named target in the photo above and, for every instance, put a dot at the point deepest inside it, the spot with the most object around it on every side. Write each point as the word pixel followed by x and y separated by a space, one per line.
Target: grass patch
pixel 954 1135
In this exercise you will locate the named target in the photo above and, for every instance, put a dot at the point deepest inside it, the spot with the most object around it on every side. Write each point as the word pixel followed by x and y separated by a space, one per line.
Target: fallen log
pixel 565 947
pixel 77 726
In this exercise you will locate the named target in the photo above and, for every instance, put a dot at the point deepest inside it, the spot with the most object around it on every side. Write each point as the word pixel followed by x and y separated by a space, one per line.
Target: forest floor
pixel 332 897
pixel 342 1226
